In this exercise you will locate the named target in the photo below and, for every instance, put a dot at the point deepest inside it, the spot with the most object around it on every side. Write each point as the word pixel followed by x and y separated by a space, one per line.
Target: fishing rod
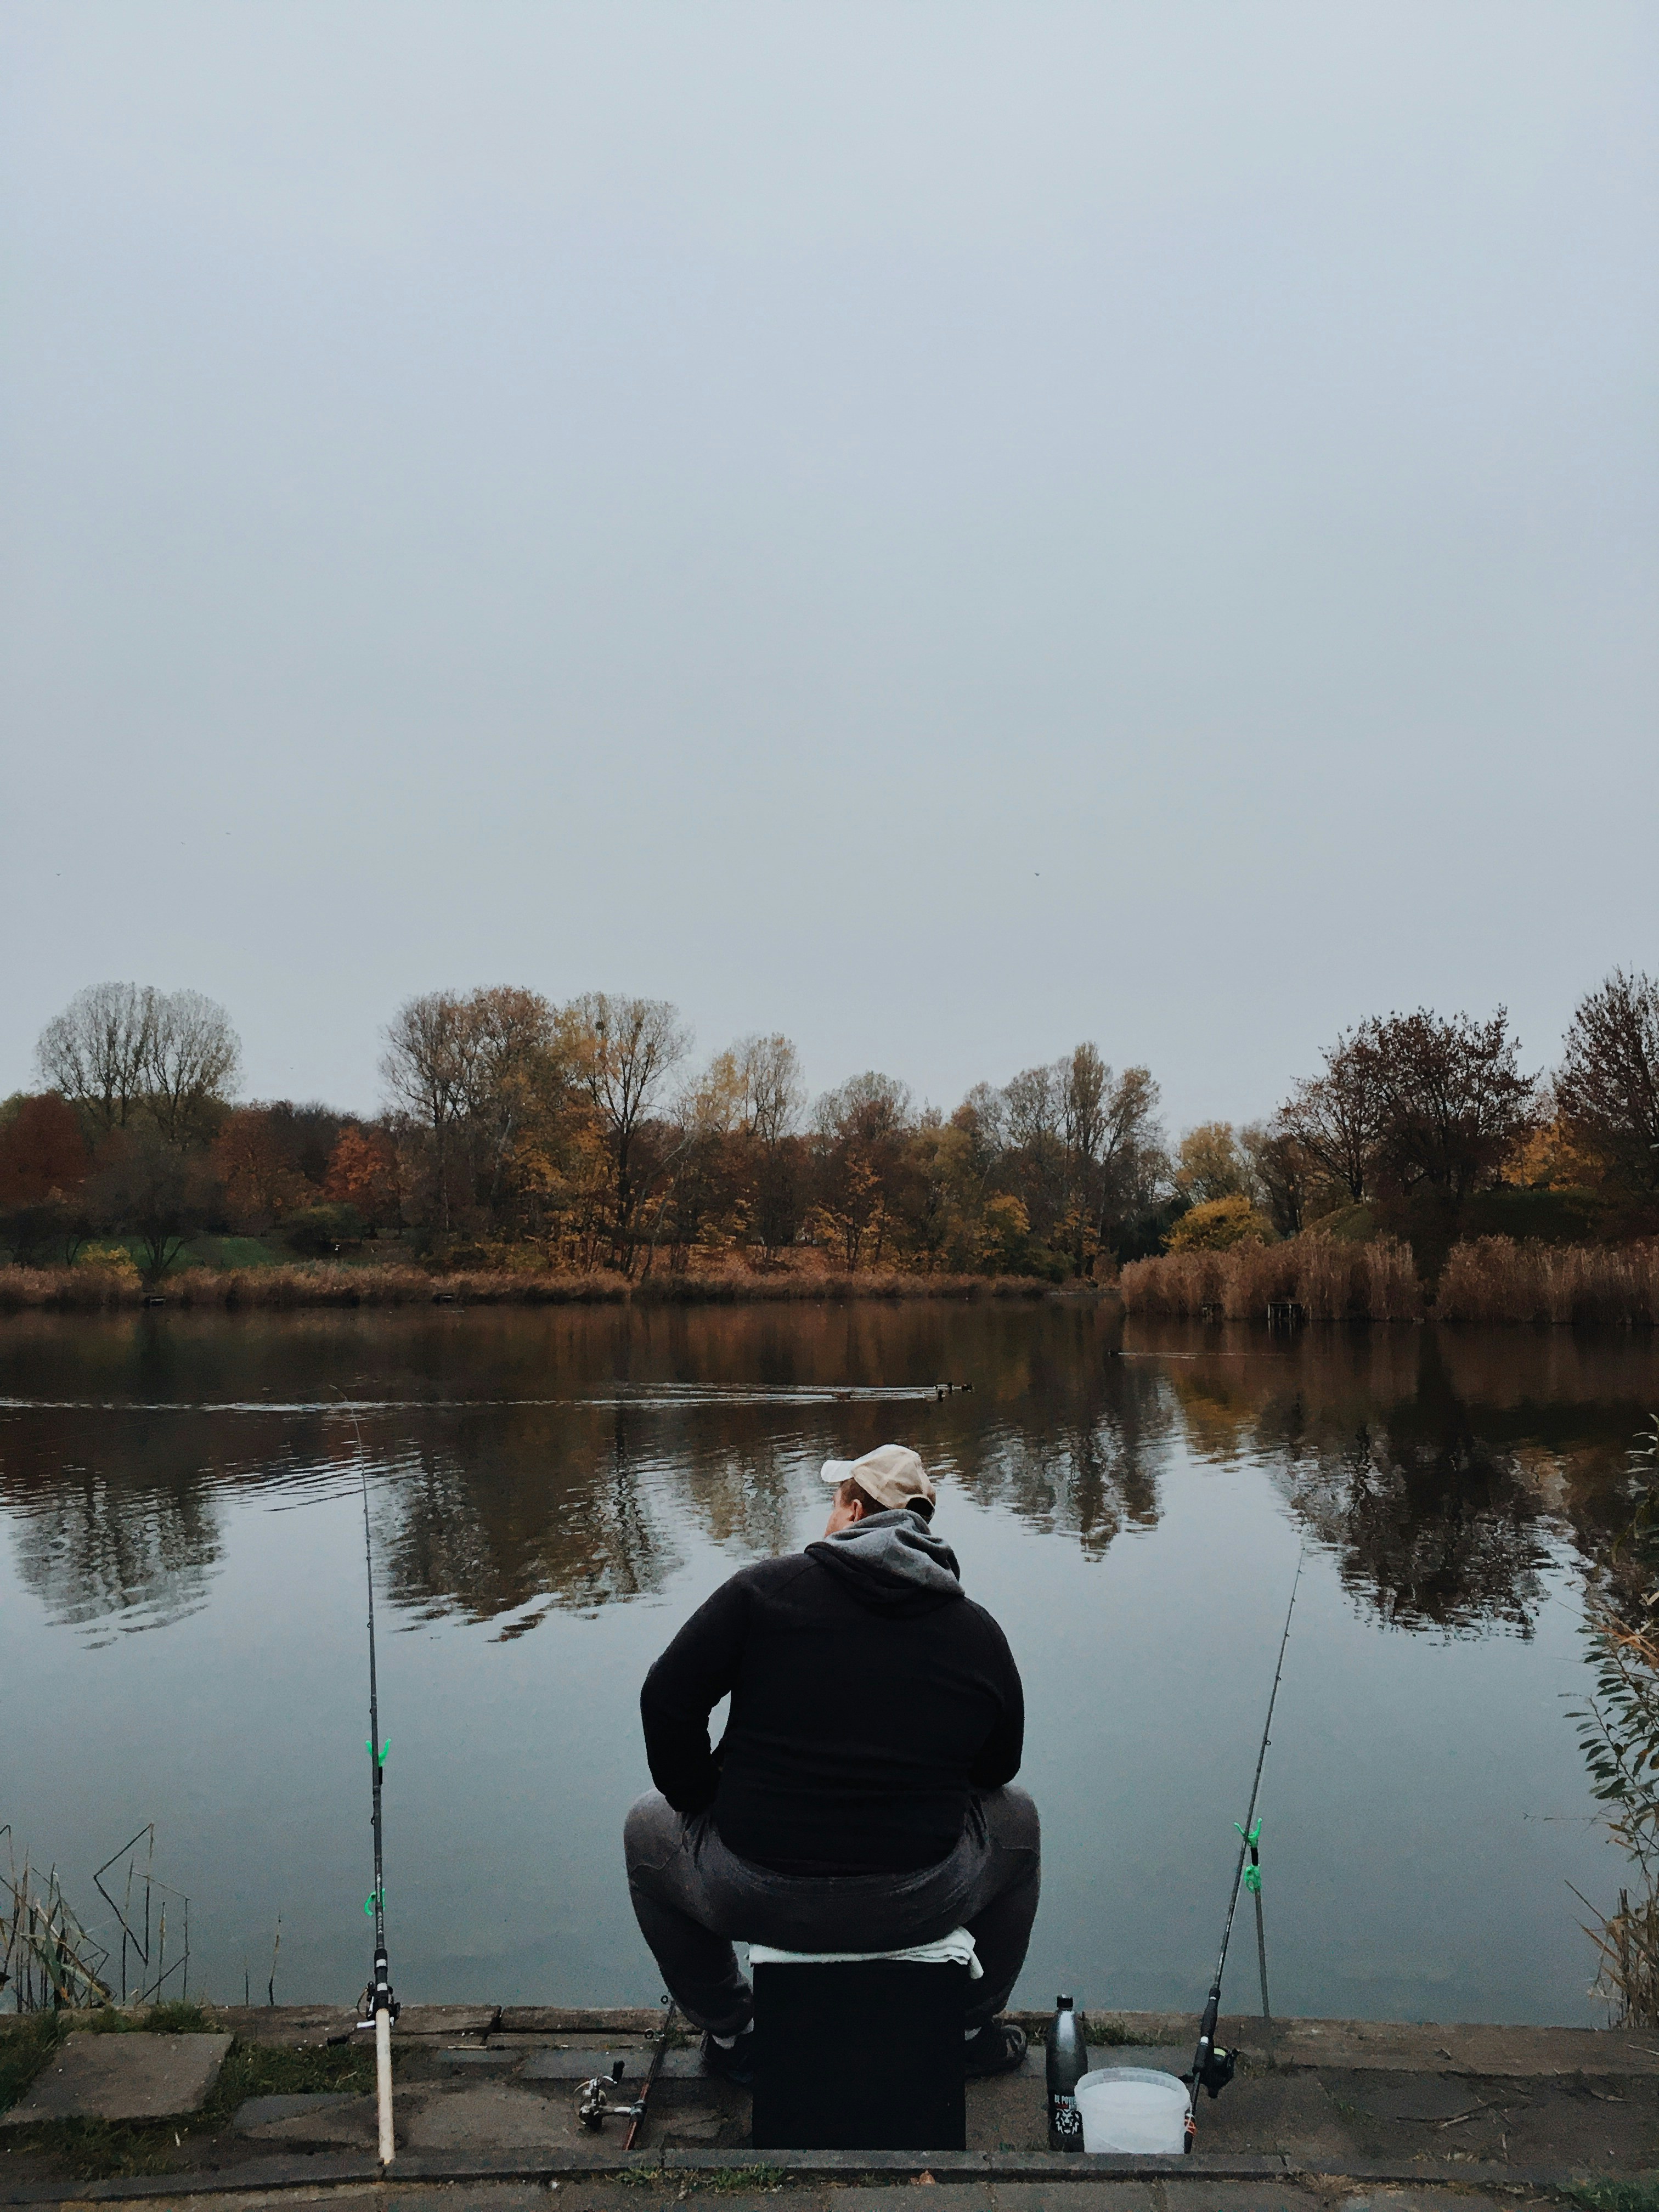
pixel 1211 2068
pixel 381 2008
pixel 637 2120
pixel 593 2105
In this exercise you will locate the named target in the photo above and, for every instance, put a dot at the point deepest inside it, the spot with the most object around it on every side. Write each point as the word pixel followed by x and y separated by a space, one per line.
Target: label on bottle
pixel 1064 2122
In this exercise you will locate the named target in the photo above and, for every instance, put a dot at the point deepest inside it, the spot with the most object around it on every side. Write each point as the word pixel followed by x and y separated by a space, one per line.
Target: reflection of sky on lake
pixel 551 1493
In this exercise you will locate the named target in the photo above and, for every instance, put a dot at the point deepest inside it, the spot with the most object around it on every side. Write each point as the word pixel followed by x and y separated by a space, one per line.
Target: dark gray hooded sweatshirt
pixel 870 1699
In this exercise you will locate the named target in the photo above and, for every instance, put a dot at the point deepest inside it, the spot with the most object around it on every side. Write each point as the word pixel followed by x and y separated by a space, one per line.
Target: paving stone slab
pixel 1198 2195
pixel 260 2112
pixel 286 2183
pixel 1422 2200
pixel 1009 2111
pixel 1288 2114
pixel 581 2065
pixel 570 2192
pixel 1406 2099
pixel 569 2038
pixel 1074 2196
pixel 446 2020
pixel 728 2201
pixel 123 2078
pixel 491 2115
pixel 291 2026
pixel 324 2122
pixel 1536 2053
pixel 502 2197
pixel 942 2196
pixel 704 2113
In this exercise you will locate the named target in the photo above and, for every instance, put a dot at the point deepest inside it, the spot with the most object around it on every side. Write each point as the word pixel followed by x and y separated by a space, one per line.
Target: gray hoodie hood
pixel 892 1563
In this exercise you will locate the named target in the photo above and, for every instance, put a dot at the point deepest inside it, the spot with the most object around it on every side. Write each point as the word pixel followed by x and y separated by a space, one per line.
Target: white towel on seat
pixel 956 1949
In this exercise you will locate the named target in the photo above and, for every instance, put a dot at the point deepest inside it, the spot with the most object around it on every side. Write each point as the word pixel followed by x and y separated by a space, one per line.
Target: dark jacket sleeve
pixel 998 1758
pixel 693 1674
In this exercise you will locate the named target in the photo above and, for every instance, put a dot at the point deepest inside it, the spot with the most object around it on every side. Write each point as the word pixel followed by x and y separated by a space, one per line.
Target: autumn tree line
pixel 518 1134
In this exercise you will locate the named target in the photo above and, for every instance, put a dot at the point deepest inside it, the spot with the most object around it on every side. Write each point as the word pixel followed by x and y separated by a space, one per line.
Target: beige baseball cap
pixel 892 1474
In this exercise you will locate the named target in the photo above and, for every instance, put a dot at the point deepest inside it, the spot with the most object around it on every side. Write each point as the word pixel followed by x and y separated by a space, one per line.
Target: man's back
pixel 870 1699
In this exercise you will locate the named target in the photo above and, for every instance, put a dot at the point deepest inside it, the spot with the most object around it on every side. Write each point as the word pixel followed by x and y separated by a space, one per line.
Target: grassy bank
pixel 1488 1278
pixel 323 1283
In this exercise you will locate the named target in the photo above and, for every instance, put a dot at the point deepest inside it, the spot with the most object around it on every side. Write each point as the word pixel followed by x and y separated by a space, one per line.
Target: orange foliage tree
pixel 42 1152
pixel 362 1171
pixel 254 1162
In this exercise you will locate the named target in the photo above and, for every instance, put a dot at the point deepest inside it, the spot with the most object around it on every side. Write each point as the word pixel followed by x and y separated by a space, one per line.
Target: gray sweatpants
pixel 692 1896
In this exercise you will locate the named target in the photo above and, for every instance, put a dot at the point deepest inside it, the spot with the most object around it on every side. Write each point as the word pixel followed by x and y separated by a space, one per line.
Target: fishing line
pixel 1211 2068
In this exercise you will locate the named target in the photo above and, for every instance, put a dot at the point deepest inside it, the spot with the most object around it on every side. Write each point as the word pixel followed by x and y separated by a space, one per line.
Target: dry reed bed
pixel 1335 1281
pixel 95 1289
pixel 1490 1279
pixel 1493 1279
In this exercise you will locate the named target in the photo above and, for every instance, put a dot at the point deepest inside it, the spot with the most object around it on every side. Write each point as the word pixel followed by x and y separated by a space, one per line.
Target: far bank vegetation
pixel 532 1151
pixel 539 1147
pixel 1423 1149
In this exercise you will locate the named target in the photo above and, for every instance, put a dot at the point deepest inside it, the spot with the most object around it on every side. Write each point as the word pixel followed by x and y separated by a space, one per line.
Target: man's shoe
pixel 998 2048
pixel 737 2064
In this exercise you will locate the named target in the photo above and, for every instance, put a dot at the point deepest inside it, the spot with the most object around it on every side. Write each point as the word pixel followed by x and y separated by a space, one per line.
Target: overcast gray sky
pixel 942 529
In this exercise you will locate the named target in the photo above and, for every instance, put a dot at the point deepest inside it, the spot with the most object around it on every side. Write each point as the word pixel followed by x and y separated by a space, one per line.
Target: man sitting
pixel 860 1798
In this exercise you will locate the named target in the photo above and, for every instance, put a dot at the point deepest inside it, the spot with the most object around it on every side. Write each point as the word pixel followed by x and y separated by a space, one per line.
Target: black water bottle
pixel 1069 2062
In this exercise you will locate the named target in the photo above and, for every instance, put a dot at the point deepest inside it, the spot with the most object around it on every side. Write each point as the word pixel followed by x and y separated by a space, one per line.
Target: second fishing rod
pixel 1213 2069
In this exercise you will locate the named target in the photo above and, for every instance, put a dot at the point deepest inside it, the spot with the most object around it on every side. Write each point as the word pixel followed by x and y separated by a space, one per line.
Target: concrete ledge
pixel 311 2175
pixel 1353 2045
pixel 1493 2052
pixel 578 2020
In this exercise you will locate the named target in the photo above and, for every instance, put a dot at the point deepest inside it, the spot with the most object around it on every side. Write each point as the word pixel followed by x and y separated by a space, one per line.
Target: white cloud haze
pixel 943 529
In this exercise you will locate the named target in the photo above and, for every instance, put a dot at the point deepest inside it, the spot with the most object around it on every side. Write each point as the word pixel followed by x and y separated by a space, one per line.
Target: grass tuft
pixel 26 2044
pixel 1098 2028
pixel 1641 2195
pixel 718 2181
pixel 179 2018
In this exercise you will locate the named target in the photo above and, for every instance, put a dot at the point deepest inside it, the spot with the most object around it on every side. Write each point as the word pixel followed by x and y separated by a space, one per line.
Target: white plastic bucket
pixel 1132 2108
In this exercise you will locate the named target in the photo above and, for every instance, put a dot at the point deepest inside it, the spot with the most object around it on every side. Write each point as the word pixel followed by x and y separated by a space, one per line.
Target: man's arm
pixel 997 1760
pixel 693 1674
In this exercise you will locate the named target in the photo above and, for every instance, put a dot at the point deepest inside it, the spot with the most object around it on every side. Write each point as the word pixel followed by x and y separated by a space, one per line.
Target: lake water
pixel 181 1624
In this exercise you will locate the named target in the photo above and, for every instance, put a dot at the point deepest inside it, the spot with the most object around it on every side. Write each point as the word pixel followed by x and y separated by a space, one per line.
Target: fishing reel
pixel 1218 2068
pixel 377 1998
pixel 1211 2073
pixel 593 2105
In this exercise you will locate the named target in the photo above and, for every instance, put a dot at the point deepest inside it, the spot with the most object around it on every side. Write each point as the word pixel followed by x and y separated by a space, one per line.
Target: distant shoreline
pixel 320 1284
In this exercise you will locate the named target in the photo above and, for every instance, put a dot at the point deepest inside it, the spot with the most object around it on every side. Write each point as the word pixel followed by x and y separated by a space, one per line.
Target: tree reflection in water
pixel 1441 1507
pixel 1433 1533
pixel 525 1461
pixel 525 1509
pixel 120 1536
